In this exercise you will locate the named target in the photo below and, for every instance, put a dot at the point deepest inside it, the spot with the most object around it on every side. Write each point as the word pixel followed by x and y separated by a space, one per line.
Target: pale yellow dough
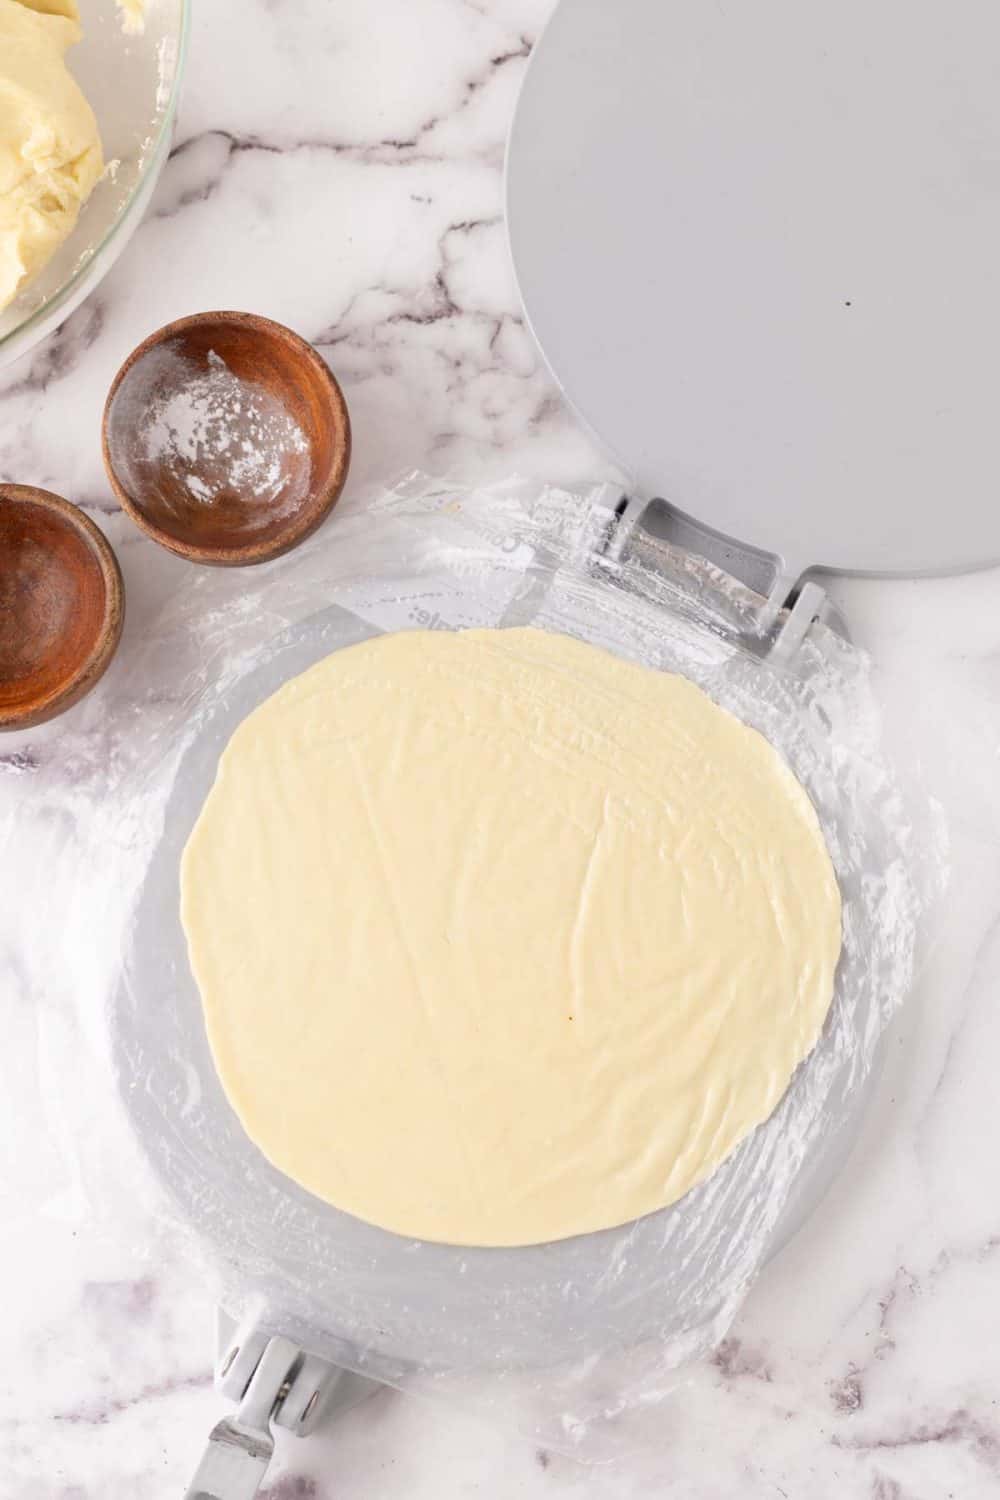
pixel 501 939
pixel 133 14
pixel 50 151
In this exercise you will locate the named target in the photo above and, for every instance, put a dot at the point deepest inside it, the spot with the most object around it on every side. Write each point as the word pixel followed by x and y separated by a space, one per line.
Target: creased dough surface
pixel 50 150
pixel 501 939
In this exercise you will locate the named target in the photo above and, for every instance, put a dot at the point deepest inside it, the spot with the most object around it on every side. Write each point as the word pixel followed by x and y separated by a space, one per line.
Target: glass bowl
pixel 133 84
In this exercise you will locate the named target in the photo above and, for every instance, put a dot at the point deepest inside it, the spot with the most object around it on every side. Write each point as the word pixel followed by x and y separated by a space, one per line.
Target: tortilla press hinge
pixel 788 606
pixel 275 1382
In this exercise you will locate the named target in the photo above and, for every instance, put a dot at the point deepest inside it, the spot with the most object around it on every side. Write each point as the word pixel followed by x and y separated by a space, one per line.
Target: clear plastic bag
pixel 566 1334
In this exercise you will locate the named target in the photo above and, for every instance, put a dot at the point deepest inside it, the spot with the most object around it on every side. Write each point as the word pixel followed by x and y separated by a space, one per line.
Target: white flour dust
pixel 222 435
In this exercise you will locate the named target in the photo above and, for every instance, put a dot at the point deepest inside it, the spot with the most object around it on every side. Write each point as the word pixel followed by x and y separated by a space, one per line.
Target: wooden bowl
pixel 226 438
pixel 61 605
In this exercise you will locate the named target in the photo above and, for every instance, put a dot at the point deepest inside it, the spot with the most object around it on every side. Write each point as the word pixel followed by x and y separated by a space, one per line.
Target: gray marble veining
pixel 340 167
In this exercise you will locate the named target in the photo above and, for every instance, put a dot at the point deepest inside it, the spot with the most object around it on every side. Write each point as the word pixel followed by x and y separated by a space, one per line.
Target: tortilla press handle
pixel 240 1448
pixel 276 1382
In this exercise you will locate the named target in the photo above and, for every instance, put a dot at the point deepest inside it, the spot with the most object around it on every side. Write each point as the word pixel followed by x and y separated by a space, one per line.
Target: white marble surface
pixel 338 166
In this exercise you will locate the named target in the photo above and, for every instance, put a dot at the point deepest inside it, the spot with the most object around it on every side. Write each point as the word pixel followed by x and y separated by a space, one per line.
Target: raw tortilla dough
pixel 501 939
pixel 50 150
pixel 133 13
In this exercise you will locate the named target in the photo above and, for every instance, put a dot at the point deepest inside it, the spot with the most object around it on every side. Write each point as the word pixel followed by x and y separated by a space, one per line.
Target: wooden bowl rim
pixel 305 519
pixel 94 664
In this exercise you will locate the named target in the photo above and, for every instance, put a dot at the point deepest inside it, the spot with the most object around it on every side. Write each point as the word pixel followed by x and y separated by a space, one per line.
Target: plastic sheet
pixel 567 1334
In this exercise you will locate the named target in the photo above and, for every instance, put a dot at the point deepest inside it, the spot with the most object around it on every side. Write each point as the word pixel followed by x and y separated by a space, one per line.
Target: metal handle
pixel 240 1447
pixel 275 1381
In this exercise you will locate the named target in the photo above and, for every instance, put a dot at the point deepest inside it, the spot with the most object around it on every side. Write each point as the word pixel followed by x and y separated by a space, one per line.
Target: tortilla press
pixel 757 246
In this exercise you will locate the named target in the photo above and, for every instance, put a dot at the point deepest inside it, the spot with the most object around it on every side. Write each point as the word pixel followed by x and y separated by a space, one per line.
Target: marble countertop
pixel 339 167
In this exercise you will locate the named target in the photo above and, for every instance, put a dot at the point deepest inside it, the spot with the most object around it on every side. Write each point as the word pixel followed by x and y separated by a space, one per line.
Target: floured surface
pixel 219 435
pixel 501 939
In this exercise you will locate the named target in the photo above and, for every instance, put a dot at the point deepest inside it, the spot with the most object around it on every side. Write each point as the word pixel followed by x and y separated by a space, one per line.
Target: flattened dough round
pixel 501 939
